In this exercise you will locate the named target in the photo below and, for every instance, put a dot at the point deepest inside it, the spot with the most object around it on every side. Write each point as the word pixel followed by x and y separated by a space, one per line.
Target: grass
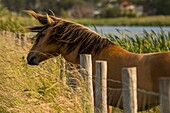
pixel 33 89
pixel 148 42
pixel 125 21
pixel 14 22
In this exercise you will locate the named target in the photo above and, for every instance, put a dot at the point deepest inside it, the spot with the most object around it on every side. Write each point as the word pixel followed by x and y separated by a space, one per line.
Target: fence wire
pixel 75 80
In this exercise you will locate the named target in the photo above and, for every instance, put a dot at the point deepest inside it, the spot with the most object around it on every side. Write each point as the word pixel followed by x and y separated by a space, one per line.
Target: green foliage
pixel 4 11
pixel 13 22
pixel 64 13
pixel 148 42
pixel 40 5
pixel 109 12
pixel 129 13
pixel 162 7
pixel 125 21
pixel 9 22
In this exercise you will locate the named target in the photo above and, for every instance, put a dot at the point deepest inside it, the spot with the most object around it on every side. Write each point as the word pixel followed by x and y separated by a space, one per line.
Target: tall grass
pixel 14 22
pixel 34 89
pixel 147 42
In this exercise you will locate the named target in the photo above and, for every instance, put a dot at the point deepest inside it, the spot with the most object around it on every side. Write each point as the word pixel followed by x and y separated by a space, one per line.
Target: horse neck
pixel 74 56
pixel 112 51
pixel 121 56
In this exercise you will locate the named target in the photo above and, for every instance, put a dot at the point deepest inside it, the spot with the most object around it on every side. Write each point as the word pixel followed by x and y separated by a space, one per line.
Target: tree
pixel 162 7
pixel 109 12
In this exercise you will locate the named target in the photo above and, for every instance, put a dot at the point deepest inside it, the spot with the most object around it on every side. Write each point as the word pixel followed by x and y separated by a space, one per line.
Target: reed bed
pixel 147 42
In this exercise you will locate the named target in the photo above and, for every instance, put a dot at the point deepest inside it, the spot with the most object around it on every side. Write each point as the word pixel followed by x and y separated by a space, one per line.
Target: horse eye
pixel 41 35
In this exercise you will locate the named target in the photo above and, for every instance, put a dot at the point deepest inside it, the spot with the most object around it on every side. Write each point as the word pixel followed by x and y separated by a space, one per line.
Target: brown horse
pixel 57 36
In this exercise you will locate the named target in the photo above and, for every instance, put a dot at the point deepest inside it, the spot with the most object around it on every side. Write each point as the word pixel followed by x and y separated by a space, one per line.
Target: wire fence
pixel 20 39
pixel 146 99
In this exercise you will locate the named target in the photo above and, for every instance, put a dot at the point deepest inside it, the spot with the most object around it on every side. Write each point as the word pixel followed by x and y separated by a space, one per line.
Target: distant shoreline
pixel 18 23
pixel 129 29
pixel 125 21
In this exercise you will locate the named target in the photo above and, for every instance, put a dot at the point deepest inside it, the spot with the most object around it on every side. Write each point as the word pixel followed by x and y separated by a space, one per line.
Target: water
pixel 130 30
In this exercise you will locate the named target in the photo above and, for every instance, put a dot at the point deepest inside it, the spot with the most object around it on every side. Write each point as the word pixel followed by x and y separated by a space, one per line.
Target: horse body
pixel 150 67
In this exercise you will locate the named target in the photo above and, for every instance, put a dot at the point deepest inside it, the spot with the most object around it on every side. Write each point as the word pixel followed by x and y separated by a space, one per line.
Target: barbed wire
pixel 78 68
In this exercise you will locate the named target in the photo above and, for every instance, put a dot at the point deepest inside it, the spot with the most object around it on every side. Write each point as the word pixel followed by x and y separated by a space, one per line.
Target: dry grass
pixel 33 89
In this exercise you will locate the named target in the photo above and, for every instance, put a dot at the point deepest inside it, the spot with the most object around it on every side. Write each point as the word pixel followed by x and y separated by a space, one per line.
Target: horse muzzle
pixel 32 59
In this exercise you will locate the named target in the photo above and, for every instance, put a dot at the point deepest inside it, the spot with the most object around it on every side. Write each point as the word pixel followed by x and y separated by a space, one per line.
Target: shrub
pixel 109 12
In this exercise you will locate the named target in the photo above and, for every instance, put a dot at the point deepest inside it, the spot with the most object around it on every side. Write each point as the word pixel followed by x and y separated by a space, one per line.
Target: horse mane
pixel 76 35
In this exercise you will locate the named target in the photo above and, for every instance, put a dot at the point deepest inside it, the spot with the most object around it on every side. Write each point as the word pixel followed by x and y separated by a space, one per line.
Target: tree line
pixel 83 8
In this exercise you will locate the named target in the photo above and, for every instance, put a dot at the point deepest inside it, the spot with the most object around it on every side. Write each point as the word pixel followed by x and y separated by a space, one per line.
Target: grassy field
pixel 33 89
pixel 125 21
pixel 25 88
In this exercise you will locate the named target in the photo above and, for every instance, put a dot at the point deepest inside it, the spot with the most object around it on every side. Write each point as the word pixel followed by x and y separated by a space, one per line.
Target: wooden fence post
pixel 129 91
pixel 18 39
pixel 3 33
pixel 23 40
pixel 86 63
pixel 164 95
pixel 63 70
pixel 101 87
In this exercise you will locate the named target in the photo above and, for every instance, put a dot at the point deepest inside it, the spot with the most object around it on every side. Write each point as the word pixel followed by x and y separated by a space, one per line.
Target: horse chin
pixel 35 64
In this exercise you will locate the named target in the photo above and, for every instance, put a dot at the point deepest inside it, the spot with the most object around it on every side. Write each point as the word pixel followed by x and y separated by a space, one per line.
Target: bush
pixel 109 12
pixel 4 11
pixel 129 13
pixel 11 21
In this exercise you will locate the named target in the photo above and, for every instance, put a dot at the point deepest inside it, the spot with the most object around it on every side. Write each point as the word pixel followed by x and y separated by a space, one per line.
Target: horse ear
pixel 35 29
pixel 41 18
pixel 49 19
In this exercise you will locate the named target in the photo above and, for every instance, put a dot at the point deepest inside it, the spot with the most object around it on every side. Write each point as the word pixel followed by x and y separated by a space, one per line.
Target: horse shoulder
pixel 156 65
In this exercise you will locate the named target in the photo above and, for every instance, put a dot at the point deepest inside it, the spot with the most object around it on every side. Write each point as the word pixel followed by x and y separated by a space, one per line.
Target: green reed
pixel 147 42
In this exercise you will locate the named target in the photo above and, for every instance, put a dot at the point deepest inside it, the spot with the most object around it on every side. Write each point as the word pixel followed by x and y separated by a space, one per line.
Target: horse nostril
pixel 32 60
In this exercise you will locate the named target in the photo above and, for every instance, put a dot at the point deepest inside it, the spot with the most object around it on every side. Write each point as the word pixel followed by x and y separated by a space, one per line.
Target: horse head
pixel 42 48
pixel 57 36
